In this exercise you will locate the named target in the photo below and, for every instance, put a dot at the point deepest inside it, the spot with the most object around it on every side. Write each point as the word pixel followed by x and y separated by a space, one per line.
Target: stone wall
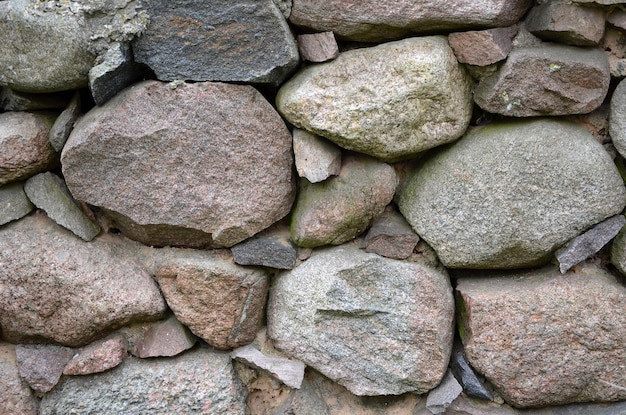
pixel 312 207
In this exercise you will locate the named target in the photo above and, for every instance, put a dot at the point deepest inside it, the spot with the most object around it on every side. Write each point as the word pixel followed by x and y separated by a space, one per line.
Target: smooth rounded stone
pixel 26 150
pixel 246 41
pixel 390 101
pixel 547 80
pixel 375 21
pixel 339 209
pixel 197 382
pixel 542 338
pixel 57 288
pixel 617 118
pixel 204 164
pixel 318 47
pixel 375 325
pixel 499 198
pixel 567 23
pixel 97 357
pixel 41 365
pixel 14 204
pixel 15 395
pixel 165 338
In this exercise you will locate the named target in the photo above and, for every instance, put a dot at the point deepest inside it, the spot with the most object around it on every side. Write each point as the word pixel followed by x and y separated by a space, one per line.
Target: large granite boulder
pixel 390 101
pixel 205 164
pixel 375 325
pixel 507 195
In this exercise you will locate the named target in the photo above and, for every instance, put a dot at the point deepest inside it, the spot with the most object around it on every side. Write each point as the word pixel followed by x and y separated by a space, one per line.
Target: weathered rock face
pixel 499 198
pixel 389 101
pixel 17 398
pixel 543 338
pixel 371 20
pixel 546 80
pixel 56 288
pixel 567 23
pixel 247 41
pixel 482 47
pixel 375 325
pixel 183 164
pixel 14 204
pixel 41 365
pixel 97 357
pixel 25 147
pixel 339 209
pixel 198 382
pixel 617 118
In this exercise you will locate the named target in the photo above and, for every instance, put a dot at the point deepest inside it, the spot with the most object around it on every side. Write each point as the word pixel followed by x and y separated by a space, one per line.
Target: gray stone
pixel 15 395
pixel 547 80
pixel 339 209
pixel 271 249
pixel 41 365
pixel 617 118
pixel 26 150
pixel 617 18
pixel 165 338
pixel 440 398
pixel 56 288
pixel 14 203
pixel 375 325
pixel 564 333
pixel 97 357
pixel 463 372
pixel 48 192
pixel 318 47
pixel 614 45
pixel 375 21
pixel 62 127
pixel 617 408
pixel 288 371
pixel 390 101
pixel 567 23
pixel 284 6
pixel 589 243
pixel 22 101
pixel 115 69
pixel 390 236
pixel 618 252
pixel 316 158
pixel 483 47
pixel 499 198
pixel 198 382
pixel 247 41
pixel 204 164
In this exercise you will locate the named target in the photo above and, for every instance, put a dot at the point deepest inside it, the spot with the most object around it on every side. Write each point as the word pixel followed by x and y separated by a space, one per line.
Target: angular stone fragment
pixel 41 365
pixel 589 243
pixel 339 209
pixel 183 164
pixel 614 45
pixel 482 47
pixel 617 118
pixel 115 69
pixel 57 288
pixel 198 382
pixel 390 236
pixel 617 18
pixel 14 204
pixel 375 21
pixel 97 357
pixel 499 198
pixel 542 338
pixel 15 395
pixel 61 128
pixel 247 41
pixel 220 302
pixel 390 101
pixel 377 326
pixel 318 47
pixel 166 338
pixel 271 249
pixel 567 23
pixel 618 252
pixel 288 371
pixel 440 398
pixel 466 376
pixel 546 80
pixel 48 192
pixel 25 147
pixel 316 158
pixel 22 101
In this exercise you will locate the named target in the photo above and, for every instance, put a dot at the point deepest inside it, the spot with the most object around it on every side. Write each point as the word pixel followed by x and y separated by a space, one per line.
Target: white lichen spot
pixel 554 67
pixel 175 84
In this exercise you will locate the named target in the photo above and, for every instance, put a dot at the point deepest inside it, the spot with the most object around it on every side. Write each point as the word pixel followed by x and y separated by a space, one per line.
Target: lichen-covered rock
pixel 508 195
pixel 390 101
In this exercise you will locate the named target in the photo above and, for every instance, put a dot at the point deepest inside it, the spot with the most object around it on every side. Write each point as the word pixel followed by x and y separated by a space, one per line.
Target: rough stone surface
pixel 372 20
pixel 589 243
pixel 339 209
pixel 25 147
pixel 62 127
pixel 115 69
pixel 614 45
pixel 547 80
pixel 166 338
pixel 288 371
pixel 41 365
pixel 247 41
pixel 567 23
pixel 48 192
pixel 563 334
pixel 463 372
pixel 97 357
pixel 55 287
pixel 22 101
pixel 499 198
pixel 271 249
pixel 15 395
pixel 617 118
pixel 390 236
pixel 183 164
pixel 316 158
pixel 198 382
pixel 318 47
pixel 618 252
pixel 14 204
pixel 440 398
pixel 390 101
pixel 220 302
pixel 377 326
pixel 617 18
pixel 483 47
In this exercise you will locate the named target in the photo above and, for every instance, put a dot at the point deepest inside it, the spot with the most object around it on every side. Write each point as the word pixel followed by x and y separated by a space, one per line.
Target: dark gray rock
pixel 466 376
pixel 272 249
pixel 115 69
pixel 15 395
pixel 246 41
pixel 440 398
pixel 23 101
pixel 64 123
pixel 391 236
pixel 14 204
pixel 41 365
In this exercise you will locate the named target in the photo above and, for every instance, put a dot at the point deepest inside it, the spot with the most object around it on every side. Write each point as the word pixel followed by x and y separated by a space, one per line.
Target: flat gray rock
pixel 271 249
pixel 14 204
pixel 288 371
